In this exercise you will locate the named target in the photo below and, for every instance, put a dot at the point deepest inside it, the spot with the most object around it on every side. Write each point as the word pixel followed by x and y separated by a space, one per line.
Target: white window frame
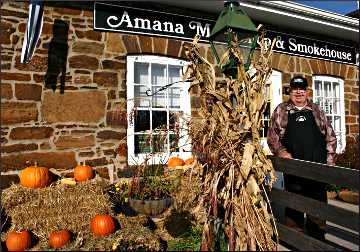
pixel 275 97
pixel 185 107
pixel 340 148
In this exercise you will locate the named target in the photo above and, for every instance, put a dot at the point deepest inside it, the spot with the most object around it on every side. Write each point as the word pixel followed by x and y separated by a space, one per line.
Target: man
pixel 299 129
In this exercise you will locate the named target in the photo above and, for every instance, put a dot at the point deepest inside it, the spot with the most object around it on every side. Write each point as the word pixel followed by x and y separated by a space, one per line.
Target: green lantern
pixel 233 21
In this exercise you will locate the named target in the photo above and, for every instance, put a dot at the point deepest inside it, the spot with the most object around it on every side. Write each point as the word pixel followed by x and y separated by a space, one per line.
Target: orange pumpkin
pixel 102 225
pixel 18 241
pixel 83 173
pixel 59 239
pixel 35 177
pixel 189 161
pixel 175 161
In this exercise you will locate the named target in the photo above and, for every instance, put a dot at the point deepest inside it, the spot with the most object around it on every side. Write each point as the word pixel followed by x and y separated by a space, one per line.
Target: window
pixel 328 92
pixel 157 118
pixel 274 97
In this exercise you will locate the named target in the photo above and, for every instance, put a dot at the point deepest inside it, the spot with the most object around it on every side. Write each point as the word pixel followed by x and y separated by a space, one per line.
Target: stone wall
pixel 84 120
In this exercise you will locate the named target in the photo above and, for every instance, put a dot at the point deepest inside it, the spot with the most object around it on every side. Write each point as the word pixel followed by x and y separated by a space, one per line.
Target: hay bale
pixel 55 207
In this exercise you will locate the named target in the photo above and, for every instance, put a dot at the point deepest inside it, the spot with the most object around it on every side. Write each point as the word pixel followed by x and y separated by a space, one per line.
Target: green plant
pixel 190 240
pixel 119 193
pixel 350 157
pixel 150 187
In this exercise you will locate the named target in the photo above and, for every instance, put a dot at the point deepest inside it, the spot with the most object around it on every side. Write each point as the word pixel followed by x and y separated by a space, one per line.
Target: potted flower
pixel 150 195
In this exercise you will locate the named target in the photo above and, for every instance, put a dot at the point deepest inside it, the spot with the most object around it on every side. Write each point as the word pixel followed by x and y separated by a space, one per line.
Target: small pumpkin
pixel 59 239
pixel 189 161
pixel 83 173
pixel 175 161
pixel 35 177
pixel 102 225
pixel 18 241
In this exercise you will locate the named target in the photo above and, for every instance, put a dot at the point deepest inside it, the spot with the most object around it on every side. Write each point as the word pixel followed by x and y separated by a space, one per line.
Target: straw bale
pixel 55 207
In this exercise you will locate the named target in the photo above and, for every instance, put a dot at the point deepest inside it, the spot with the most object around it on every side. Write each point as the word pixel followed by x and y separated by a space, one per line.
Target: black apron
pixel 304 140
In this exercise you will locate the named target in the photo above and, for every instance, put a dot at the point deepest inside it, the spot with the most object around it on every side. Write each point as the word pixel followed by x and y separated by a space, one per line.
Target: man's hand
pixel 285 154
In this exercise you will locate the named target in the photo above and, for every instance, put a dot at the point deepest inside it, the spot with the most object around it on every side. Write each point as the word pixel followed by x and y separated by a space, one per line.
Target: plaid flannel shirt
pixel 278 124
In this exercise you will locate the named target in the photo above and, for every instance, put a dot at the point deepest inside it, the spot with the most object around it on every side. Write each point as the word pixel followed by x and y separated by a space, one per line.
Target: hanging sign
pixel 124 19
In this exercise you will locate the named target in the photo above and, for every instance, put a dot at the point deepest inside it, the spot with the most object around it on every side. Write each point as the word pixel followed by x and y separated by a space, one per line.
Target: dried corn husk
pixel 226 140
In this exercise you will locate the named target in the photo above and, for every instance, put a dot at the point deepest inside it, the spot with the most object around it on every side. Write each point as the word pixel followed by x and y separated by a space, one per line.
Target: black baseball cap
pixel 298 82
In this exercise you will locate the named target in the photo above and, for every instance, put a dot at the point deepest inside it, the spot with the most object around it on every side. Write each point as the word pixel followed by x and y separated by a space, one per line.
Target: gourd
pixel 175 161
pixel 34 177
pixel 18 241
pixel 102 225
pixel 83 173
pixel 59 239
pixel 189 161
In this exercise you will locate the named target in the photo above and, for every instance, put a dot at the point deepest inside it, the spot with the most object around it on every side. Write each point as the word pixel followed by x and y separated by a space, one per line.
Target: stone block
pixel 91 35
pixel 145 44
pixel 131 43
pixel 18 148
pixel 82 79
pixel 110 134
pixel 116 119
pixel 88 47
pixel 67 11
pixel 16 112
pixel 28 92
pixel 97 162
pixel 15 76
pixel 173 48
pixel 84 62
pixel 305 66
pixel 114 43
pixel 103 172
pixel 343 70
pixel 82 106
pixel 113 65
pixel 6 31
pixel 275 61
pixel 37 64
pixel 11 13
pixel 283 62
pixel 65 142
pixel 21 133
pixel 354 108
pixel 106 79
pixel 351 72
pixel 58 160
pixel 6 91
